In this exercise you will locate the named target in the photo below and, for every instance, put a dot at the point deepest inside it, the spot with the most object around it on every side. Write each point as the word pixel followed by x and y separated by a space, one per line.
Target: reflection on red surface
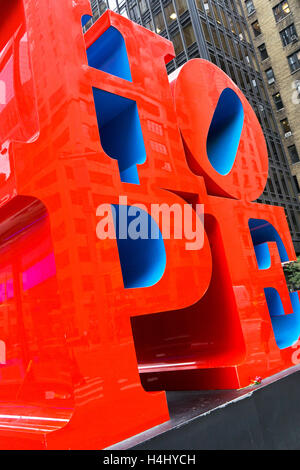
pixel 75 344
pixel 39 272
pixel 36 393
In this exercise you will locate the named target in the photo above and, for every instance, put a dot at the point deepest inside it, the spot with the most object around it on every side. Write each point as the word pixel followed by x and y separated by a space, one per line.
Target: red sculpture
pixel 85 120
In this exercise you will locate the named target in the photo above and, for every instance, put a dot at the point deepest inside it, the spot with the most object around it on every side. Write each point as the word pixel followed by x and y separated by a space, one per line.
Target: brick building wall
pixel 275 30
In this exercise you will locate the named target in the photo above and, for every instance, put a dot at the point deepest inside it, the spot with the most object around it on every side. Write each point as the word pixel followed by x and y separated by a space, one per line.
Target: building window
pixel 143 6
pixel 199 5
pixel 217 16
pixel 256 28
pixel 278 101
pixel 294 61
pixel 293 153
pixel 189 35
pixel 134 13
pixel 181 6
pixel 205 31
pixel 296 85
pixel 206 8
pixel 296 183
pixel 270 76
pixel 170 13
pixel 178 46
pixel 250 7
pixel 263 51
pixel 288 35
pixel 286 127
pixel 281 10
pixel 159 22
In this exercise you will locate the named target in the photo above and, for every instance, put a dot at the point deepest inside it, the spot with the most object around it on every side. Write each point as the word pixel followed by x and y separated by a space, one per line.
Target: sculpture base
pixel 266 416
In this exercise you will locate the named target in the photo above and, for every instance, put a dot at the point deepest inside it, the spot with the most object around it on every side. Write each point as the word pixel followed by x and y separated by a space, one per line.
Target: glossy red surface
pixel 226 338
pixel 196 100
pixel 72 332
pixel 70 350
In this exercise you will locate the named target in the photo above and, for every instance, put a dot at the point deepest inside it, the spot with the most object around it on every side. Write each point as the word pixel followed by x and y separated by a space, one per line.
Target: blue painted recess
pixel 143 260
pixel 286 327
pixel 108 53
pixel 225 132
pixel 262 232
pixel 120 132
pixel 118 120
pixel 263 256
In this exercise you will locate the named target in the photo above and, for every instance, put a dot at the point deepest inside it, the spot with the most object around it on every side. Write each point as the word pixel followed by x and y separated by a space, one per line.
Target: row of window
pixel 277 97
pixel 222 18
pixel 280 11
pixel 284 122
pixel 293 59
pixel 286 128
pixel 170 15
pixel 288 35
pixel 283 184
pixel 227 44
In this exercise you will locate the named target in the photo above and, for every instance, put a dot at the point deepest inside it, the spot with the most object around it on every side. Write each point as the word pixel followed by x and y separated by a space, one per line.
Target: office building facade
pixel 275 26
